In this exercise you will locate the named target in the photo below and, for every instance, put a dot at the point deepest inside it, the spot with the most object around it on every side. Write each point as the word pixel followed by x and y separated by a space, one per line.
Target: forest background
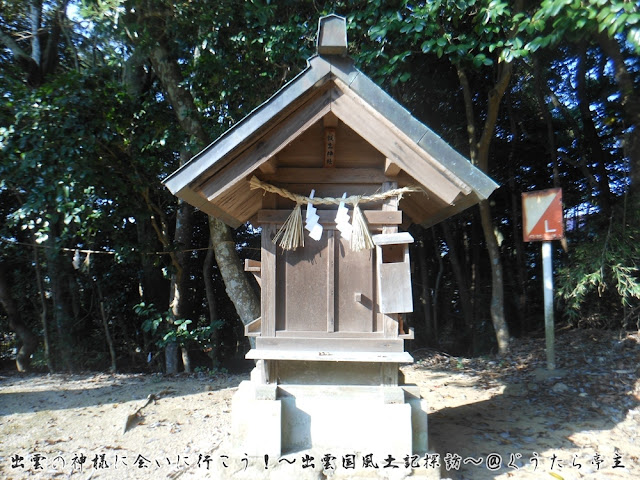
pixel 102 268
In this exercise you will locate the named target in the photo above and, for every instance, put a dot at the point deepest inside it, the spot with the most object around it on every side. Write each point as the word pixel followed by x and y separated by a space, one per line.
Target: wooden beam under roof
pixel 418 212
pixel 323 175
pixel 240 201
pixel 202 204
pixel 216 156
pixel 269 167
pixel 264 148
pixel 391 169
pixel 328 217
pixel 460 204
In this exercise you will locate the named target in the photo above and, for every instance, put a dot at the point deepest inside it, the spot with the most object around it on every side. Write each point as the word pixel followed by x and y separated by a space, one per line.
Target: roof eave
pixel 316 71
pixel 319 70
pixel 344 69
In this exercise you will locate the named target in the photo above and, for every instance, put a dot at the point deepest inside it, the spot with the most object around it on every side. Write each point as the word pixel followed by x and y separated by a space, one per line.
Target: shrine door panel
pixel 301 290
pixel 355 289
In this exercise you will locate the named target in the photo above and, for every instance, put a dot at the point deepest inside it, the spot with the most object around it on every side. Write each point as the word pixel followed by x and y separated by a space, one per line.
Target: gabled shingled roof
pixel 215 180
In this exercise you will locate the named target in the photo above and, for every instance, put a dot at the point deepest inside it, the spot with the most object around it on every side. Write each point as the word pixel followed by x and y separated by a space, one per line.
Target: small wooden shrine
pixel 331 168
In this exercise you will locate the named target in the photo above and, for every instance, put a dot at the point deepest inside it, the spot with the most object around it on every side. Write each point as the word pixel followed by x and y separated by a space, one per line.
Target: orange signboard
pixel 542 215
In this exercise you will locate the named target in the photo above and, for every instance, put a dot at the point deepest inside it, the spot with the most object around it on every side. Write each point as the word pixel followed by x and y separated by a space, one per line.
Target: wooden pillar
pixel 390 321
pixel 331 275
pixel 268 290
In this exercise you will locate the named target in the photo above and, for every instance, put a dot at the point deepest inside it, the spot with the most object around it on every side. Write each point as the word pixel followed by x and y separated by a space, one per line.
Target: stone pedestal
pixel 331 408
pixel 352 419
pixel 256 422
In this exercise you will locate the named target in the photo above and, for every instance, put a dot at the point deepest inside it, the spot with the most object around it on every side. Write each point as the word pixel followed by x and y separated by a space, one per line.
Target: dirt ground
pixel 490 418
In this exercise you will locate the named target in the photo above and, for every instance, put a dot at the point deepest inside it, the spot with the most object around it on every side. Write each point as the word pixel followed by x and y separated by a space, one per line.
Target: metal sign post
pixel 549 325
pixel 543 220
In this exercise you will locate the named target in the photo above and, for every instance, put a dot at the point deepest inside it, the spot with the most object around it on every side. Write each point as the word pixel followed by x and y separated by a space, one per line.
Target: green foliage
pixel 54 155
pixel 601 281
pixel 557 20
pixel 164 330
pixel 482 33
pixel 469 32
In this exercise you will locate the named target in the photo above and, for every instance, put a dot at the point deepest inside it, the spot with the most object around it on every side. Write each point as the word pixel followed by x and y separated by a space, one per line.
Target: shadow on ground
pixel 34 393
pixel 582 421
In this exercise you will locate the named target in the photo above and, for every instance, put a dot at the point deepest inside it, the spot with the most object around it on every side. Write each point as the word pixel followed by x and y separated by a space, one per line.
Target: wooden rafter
pixel 264 148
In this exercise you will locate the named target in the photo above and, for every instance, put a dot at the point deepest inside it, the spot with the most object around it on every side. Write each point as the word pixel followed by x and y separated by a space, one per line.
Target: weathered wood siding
pixel 352 151
pixel 301 289
pixel 325 288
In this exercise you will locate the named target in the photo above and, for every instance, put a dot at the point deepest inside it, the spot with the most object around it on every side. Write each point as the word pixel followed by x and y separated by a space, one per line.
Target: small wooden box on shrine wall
pixel 393 270
pixel 332 130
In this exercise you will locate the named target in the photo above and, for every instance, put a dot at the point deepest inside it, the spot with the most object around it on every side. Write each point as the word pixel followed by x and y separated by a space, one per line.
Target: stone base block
pixel 286 419
pixel 419 426
pixel 355 419
pixel 256 423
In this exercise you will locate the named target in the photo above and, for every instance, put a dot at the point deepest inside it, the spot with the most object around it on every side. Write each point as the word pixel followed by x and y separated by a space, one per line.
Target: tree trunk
pixel 178 301
pixel 154 287
pixel 235 278
pixel 425 294
pixel 480 154
pixel 461 280
pixel 35 20
pixel 477 254
pixel 186 359
pixel 177 293
pixel 187 114
pixel 181 100
pixel 237 285
pixel 171 358
pixel 26 336
pixel 207 274
pixel 521 273
pixel 38 64
pixel 50 59
pixel 436 287
pixel 44 312
pixel 62 316
pixel 516 215
pixel 105 325
pixel 497 280
pixel 548 120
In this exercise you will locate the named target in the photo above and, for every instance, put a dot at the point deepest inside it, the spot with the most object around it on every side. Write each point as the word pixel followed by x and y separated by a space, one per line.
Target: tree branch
pixel 162 230
pixel 50 59
pixel 180 97
pixel 24 61
pixel 493 108
pixel 493 105
pixel 468 109
pixel 35 18
pixel 12 45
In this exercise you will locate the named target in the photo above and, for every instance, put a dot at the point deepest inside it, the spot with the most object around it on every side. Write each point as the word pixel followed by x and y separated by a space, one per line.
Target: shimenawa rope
pixel 291 234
